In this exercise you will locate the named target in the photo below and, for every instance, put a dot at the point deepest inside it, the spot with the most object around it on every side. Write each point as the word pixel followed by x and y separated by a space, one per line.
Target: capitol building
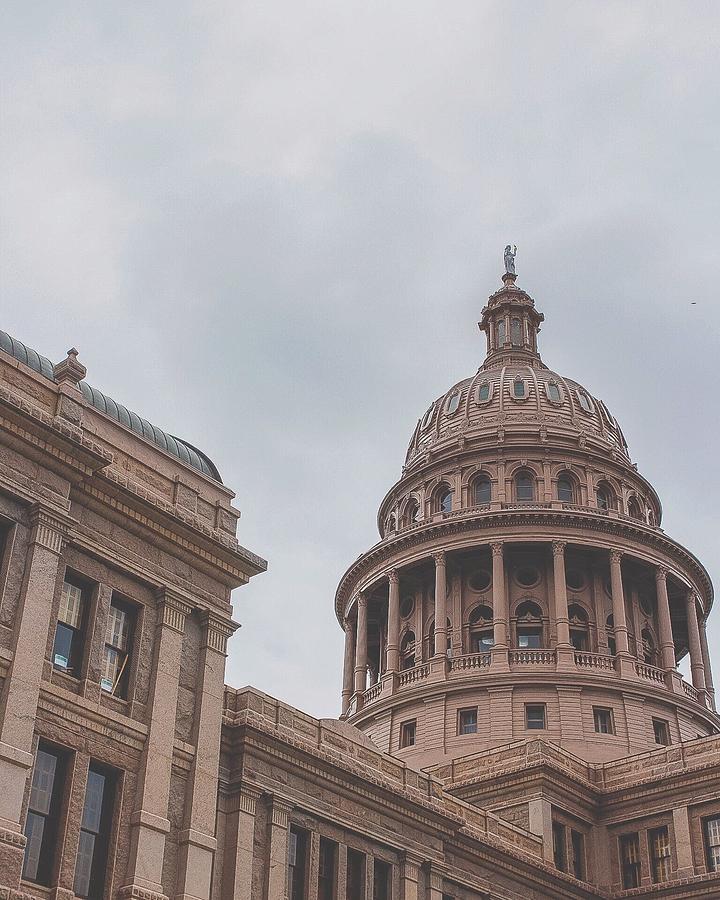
pixel 512 721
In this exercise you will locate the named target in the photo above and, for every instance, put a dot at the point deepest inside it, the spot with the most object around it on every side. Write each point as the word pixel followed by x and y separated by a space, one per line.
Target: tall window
pixel 95 828
pixel 407 734
pixel 661 730
pixel 41 825
pixel 118 642
pixel 579 630
pixel 70 627
pixel 630 860
pixel 528 626
pixel 297 863
pixel 516 332
pixel 577 842
pixel 711 833
pixel 604 497
pixel 634 510
pixel 610 631
pixel 519 388
pixel 649 652
pixel 484 392
pixel 659 843
pixel 559 852
pixel 452 404
pixel 355 875
pixel 501 332
pixel 327 869
pixel 524 487
pixel 407 650
pixel 411 513
pixel 482 638
pixel 445 501
pixel 603 719
pixel 482 490
pixel 535 716
pixel 467 721
pixel 553 392
pixel 565 489
pixel 382 880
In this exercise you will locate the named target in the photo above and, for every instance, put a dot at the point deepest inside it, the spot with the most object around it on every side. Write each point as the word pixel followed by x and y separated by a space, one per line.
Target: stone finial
pixel 70 370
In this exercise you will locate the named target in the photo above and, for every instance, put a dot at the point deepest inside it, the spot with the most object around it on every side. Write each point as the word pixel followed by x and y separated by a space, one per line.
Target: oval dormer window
pixel 452 404
pixel 484 392
pixel 519 390
pixel 585 401
pixel 553 392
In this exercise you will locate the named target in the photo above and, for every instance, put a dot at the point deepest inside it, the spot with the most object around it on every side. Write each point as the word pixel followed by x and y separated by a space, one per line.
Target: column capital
pixel 661 572
pixel 497 548
pixel 558 548
pixel 361 601
pixel 248 797
pixel 437 876
pixel 280 811
pixel 393 577
pixel 50 529
pixel 174 610
pixel 217 631
pixel 616 556
pixel 439 558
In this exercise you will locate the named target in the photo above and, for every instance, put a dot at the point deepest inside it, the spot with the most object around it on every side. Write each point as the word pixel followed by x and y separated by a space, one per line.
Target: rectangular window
pixel 577 841
pixel 70 627
pixel 382 880
pixel 535 716
pixel 559 855
pixel 483 641
pixel 41 825
pixel 95 828
pixel 407 734
pixel 630 860
pixel 603 720
pixel 297 863
pixel 118 647
pixel 711 833
pixel 530 639
pixel 579 639
pixel 355 875
pixel 661 729
pixel 327 869
pixel 659 843
pixel 467 721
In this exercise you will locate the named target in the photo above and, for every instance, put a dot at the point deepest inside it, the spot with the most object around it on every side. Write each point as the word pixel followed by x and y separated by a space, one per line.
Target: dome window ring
pixel 453 403
pixel 519 390
pixel 484 392
pixel 553 392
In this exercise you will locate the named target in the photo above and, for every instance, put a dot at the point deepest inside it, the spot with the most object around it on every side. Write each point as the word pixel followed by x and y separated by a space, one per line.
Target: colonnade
pixel 356 633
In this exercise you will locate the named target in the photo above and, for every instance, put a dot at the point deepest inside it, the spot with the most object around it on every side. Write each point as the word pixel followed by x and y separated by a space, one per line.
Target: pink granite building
pixel 513 721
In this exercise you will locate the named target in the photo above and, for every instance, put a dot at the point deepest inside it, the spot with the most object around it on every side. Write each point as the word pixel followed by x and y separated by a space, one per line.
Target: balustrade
pixel 532 657
pixel 417 673
pixel 594 661
pixel 470 661
pixel 650 672
pixel 372 693
pixel 691 692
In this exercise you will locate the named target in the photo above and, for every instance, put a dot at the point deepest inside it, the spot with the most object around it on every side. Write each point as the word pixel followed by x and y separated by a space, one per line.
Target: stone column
pixel 409 877
pixel 348 665
pixel 709 687
pixel 667 644
pixel 196 842
pixel 683 843
pixel 278 851
pixel 361 645
pixel 150 823
pixel 21 688
pixel 436 877
pixel 540 823
pixel 565 652
pixel 696 661
pixel 393 636
pixel 237 877
pixel 440 604
pixel 500 610
pixel 624 660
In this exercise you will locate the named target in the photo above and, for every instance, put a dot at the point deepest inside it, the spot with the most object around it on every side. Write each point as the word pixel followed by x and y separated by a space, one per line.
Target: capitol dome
pixel 522 581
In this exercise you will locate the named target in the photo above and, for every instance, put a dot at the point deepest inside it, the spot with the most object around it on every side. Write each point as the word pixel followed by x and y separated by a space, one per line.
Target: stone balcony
pixel 479 665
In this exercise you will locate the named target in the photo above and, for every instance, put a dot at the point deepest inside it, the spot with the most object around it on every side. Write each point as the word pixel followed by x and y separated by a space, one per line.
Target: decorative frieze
pixel 13 838
pixel 48 529
pixel 133 892
pixel 174 611
pixel 248 798
pixel 217 632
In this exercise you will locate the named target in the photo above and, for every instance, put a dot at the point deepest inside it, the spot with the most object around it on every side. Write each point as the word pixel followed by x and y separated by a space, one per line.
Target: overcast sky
pixel 270 229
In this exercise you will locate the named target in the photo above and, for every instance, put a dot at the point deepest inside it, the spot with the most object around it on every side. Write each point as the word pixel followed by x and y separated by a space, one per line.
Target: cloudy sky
pixel 270 228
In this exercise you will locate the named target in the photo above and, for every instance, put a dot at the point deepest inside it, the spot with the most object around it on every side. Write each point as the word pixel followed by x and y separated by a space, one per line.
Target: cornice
pixel 386 553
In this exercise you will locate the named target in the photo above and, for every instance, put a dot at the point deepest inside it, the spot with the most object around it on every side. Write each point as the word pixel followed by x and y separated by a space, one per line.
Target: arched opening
pixel 566 488
pixel 443 499
pixel 610 634
pixel 407 650
pixel 482 638
pixel 528 626
pixel 519 389
pixel 410 515
pixel 524 486
pixel 634 510
pixel 481 490
pixel 391 524
pixel 579 628
pixel 649 649
pixel 605 496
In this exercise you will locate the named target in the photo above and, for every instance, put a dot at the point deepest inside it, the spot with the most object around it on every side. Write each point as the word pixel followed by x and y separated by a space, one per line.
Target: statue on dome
pixel 510 252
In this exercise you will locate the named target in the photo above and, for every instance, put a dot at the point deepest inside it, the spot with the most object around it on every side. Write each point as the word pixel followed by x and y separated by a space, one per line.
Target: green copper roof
pixel 185 452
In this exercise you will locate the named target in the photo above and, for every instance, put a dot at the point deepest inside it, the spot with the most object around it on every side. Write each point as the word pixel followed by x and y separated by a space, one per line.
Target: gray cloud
pixel 271 228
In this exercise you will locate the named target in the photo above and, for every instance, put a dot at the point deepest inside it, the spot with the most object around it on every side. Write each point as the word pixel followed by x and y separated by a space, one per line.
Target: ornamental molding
pixel 248 798
pixel 13 838
pixel 393 576
pixel 217 631
pixel 497 548
pixel 174 610
pixel 134 892
pixel 280 811
pixel 439 558
pixel 558 548
pixel 49 529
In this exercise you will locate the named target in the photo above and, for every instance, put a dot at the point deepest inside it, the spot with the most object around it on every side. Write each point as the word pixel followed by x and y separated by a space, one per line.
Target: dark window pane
pixel 42 782
pixel 34 828
pixel 578 854
pixel 558 834
pixel 43 813
pixel 484 392
pixel 62 649
pixel 515 332
pixel 525 487
pixel 565 490
pixel 519 388
pixel 381 880
pixel 535 716
pixel 83 866
pixel 712 844
pixel 92 812
pixel 355 875
pixel 482 491
pixel 327 869
pixel 90 867
pixel 530 640
pixel 630 860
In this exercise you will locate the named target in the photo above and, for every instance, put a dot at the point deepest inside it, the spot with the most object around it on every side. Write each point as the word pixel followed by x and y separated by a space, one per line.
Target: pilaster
pixel 278 849
pixel 241 825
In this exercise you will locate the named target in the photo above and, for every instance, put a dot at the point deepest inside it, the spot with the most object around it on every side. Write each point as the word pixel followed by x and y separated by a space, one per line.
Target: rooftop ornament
pixel 510 252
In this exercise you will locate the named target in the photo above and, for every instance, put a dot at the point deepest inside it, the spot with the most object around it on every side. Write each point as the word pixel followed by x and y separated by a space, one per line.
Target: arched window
pixel 604 496
pixel 516 332
pixel 482 490
pixel 634 510
pixel 501 332
pixel 579 629
pixel 482 638
pixel 410 515
pixel 519 390
pixel 407 650
pixel 443 499
pixel 566 488
pixel 610 632
pixel 649 651
pixel 391 524
pixel 528 626
pixel 524 486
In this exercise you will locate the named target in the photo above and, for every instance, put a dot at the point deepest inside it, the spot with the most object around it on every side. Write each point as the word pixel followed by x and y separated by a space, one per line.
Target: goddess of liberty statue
pixel 510 252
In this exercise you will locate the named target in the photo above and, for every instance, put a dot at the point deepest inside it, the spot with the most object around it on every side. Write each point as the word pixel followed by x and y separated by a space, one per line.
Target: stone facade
pixel 538 743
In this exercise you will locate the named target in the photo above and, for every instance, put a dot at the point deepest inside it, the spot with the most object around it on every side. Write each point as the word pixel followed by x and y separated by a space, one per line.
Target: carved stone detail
pixel 14 838
pixel 48 530
pixel 497 548
pixel 558 548
pixel 248 798
pixel 217 632
pixel 174 612
pixel 280 812
pixel 393 576
pixel 133 892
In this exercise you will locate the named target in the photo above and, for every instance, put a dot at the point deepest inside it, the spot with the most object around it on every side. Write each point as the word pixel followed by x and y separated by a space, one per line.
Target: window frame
pixel 102 835
pixel 385 883
pixel 577 847
pixel 464 725
pixel 712 860
pixel 664 724
pixel 327 880
pixel 78 633
pixel 408 734
pixel 556 385
pixel 531 478
pixel 559 836
pixel 481 480
pixel 536 706
pixel 120 687
pixel 630 863
pixel 47 858
pixel 660 857
pixel 598 712
pixel 297 862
